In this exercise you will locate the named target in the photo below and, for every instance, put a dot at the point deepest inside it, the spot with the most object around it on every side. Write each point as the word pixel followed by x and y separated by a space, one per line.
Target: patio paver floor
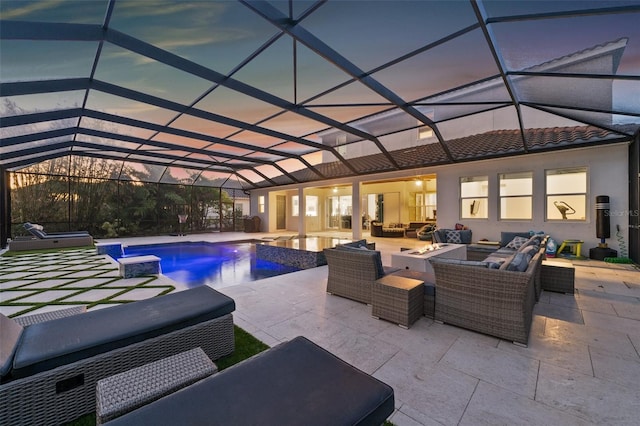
pixel 581 367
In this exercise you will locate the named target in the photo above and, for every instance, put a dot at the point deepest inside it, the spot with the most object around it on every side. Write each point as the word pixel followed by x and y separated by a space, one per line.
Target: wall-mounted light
pixel 335 189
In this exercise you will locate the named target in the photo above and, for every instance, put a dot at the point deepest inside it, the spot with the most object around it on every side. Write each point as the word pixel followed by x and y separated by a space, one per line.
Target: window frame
pixel 462 207
pixel 515 175
pixel 585 194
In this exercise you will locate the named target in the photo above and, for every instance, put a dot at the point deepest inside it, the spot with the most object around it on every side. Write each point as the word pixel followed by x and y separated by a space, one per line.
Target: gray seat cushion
pixel 294 383
pixel 10 332
pixel 63 341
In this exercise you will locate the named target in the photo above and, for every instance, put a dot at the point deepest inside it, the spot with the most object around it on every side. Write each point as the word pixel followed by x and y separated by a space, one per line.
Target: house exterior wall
pixel 607 170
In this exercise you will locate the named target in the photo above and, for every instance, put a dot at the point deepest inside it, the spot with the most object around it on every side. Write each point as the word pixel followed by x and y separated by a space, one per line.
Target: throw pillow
pixel 494 262
pixel 519 262
pixel 453 237
pixel 529 251
pixel 517 242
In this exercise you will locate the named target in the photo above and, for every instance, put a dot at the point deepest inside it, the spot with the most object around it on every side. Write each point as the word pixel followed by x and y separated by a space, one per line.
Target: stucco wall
pixel 607 175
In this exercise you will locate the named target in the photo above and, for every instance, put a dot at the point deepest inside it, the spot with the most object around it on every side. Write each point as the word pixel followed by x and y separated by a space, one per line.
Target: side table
pixel 397 299
pixel 557 276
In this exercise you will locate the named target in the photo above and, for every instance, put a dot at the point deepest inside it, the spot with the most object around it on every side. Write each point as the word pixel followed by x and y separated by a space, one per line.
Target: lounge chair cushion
pixel 10 332
pixel 294 383
pixel 51 344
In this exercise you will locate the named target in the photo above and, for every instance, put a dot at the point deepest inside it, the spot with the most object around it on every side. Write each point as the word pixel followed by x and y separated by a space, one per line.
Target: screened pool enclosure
pixel 122 111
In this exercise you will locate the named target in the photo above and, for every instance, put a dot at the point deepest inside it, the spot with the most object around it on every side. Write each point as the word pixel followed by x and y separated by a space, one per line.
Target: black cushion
pixel 10 332
pixel 294 383
pixel 59 342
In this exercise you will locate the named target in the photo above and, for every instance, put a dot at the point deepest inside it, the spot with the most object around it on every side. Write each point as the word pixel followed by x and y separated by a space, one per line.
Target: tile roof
pixel 493 144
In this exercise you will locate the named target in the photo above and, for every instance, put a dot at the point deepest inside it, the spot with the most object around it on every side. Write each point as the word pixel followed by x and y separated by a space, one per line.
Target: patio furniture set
pixel 150 362
pixel 493 296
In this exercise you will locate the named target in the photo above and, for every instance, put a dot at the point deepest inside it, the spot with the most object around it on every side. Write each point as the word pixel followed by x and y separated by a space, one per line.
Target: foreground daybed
pixel 495 296
pixel 49 370
pixel 293 383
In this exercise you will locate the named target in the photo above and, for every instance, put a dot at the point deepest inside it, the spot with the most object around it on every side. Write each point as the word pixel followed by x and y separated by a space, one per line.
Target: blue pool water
pixel 216 265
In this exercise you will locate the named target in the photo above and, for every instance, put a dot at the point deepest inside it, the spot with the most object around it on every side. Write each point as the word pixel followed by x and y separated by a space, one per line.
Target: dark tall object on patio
pixel 603 230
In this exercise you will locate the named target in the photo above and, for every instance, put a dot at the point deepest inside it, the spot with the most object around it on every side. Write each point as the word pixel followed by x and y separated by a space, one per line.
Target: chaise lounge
pixel 43 240
pixel 49 370
pixel 293 383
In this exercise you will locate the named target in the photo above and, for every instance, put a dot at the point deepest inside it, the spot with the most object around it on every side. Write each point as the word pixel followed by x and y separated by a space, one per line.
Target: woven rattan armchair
pixel 352 272
pixel 66 392
pixel 490 301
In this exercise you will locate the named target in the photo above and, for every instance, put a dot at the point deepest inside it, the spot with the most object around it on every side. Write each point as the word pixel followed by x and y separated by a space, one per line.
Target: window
pixel 295 207
pixel 425 132
pixel 566 191
pixel 261 204
pixel 311 207
pixel 474 193
pixel 516 190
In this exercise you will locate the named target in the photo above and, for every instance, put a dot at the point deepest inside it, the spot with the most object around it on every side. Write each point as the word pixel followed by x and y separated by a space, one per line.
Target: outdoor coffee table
pixel 419 261
pixel 397 299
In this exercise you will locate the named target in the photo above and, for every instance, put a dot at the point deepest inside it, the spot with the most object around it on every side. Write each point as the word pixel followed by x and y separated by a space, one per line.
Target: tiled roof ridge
pixel 574 55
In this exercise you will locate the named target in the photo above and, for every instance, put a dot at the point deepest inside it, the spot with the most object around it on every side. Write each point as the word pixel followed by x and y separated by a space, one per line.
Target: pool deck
pixel 582 365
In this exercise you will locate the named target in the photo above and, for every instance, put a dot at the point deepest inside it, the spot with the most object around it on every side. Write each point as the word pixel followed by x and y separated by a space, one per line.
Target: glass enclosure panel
pixel 205 127
pixel 56 166
pixel 79 12
pixel 271 70
pixel 452 70
pixel 236 105
pixel 136 72
pixel 43 126
pixel 142 172
pixel 41 199
pixel 499 119
pixel 32 60
pixel 111 127
pixel 395 28
pixel 539 38
pixel 42 102
pixel 211 33
pixel 124 107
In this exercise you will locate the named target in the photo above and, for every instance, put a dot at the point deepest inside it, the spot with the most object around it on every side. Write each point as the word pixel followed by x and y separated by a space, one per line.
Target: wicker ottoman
pixel 397 299
pixel 122 393
pixel 557 276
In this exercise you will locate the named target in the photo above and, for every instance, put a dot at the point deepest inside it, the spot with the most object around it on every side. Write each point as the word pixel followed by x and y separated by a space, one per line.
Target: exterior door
pixel 281 212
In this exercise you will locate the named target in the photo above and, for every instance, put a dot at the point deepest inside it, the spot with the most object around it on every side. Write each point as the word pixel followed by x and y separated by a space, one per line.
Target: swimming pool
pixel 214 264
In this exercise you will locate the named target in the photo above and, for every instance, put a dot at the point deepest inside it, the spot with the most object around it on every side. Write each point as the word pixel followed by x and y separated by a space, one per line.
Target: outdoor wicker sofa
pixel 497 302
pixel 294 383
pixel 49 370
pixel 353 270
